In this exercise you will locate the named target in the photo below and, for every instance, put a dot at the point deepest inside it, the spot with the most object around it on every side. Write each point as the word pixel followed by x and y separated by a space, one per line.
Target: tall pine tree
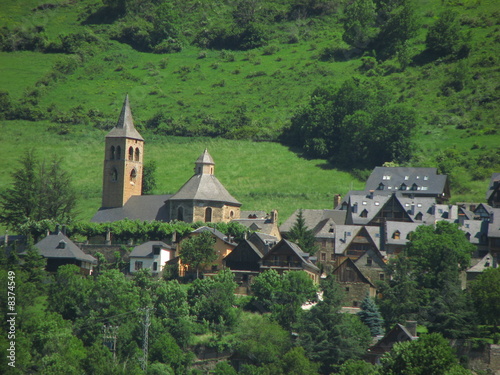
pixel 302 235
pixel 371 317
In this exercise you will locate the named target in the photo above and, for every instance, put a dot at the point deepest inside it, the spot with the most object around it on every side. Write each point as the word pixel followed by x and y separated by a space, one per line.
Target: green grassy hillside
pixel 64 69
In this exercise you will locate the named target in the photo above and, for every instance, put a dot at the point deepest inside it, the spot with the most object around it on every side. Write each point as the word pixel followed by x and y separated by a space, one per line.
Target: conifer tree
pixel 371 317
pixel 302 235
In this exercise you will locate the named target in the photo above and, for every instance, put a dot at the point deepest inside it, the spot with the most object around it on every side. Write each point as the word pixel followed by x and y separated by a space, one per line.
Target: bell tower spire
pixel 123 161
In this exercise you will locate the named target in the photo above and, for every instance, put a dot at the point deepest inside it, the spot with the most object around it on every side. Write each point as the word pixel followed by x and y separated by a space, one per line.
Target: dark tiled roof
pixel 216 233
pixel 146 249
pixel 426 180
pixel 313 217
pixel 303 257
pixel 204 187
pixel 57 245
pixel 125 127
pixel 253 214
pixel 138 207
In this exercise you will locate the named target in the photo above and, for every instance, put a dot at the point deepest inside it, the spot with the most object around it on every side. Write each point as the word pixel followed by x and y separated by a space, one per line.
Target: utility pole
pixel 110 335
pixel 145 340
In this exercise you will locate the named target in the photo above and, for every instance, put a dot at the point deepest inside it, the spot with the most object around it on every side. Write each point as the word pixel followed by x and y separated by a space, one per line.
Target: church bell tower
pixel 123 161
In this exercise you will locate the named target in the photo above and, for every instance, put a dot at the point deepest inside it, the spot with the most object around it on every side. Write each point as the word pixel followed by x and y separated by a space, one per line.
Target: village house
pixel 152 255
pixel 288 256
pixel 355 284
pixel 59 250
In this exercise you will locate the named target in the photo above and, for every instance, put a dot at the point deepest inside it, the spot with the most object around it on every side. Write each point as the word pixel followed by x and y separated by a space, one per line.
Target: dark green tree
pixel 371 317
pixel 212 299
pixel 444 37
pixel 149 177
pixel 302 235
pixel 328 336
pixel 69 293
pixel 198 251
pixel 430 354
pixel 485 292
pixel 39 191
pixel 359 22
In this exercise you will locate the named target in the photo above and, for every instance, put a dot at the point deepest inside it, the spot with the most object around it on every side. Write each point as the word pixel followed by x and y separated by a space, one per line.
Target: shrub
pixel 271 49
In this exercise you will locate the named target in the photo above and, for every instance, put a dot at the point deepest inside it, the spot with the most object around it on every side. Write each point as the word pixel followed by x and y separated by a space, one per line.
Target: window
pixel 377 203
pixel 364 203
pixel 426 178
pixel 346 288
pixel 386 177
pixel 114 175
pixel 381 276
pixel 381 186
pixel 231 214
pixel 418 216
pixel 133 175
pixel 369 261
pixel 208 215
pixel 137 154
pixel 407 178
pixel 355 303
pixel 364 213
pixel 323 257
pixel 155 266
pixel 112 153
pixel 180 213
pixel 396 235
pixel 131 153
pixel 138 265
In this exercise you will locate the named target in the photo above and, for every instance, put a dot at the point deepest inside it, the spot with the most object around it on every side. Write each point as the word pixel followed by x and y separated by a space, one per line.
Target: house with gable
pixel 288 256
pixel 223 246
pixel 152 255
pixel 59 250
pixel 355 284
pixel 398 333
pixel 260 221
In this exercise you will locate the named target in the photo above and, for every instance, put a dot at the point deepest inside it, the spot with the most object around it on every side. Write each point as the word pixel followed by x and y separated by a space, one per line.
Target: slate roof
pixel 404 230
pixel 138 207
pixel 345 235
pixel 426 180
pixel 125 126
pixel 205 158
pixel 145 250
pixel 313 217
pixel 495 179
pixel 477 229
pixel 205 187
pixel 57 245
pixel 263 241
pixel 258 225
pixel 216 233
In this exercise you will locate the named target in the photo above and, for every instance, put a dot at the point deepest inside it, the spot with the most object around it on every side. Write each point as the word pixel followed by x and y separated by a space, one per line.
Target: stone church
pixel 201 198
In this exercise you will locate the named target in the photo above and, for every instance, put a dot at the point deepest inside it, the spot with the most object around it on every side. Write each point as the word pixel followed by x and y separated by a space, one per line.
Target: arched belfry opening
pixel 131 153
pixel 112 153
pixel 137 154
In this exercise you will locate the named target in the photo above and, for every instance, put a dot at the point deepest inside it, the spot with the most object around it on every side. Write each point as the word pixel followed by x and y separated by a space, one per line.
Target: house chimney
pixel 274 216
pixel 57 229
pixel 63 229
pixel 411 326
pixel 371 194
pixel 337 198
pixel 412 208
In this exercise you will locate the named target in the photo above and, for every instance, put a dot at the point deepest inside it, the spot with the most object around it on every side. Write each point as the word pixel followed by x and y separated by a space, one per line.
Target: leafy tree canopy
pixel 357 113
pixel 198 251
